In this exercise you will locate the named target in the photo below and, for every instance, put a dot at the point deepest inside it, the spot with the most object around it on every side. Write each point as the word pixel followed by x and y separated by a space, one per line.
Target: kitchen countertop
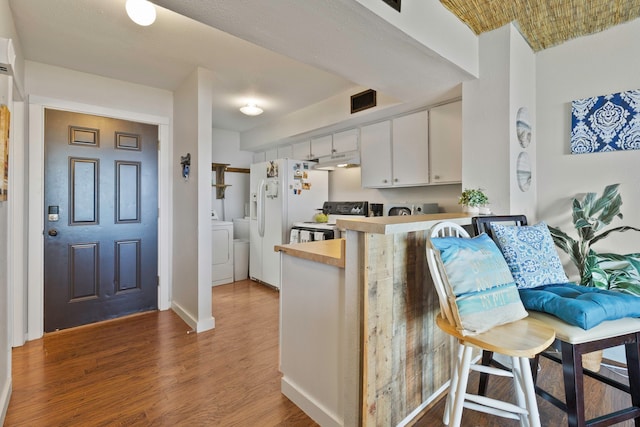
pixel 330 252
pixel 400 223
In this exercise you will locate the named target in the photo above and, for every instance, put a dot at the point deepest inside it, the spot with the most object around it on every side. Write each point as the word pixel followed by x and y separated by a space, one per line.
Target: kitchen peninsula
pixel 358 341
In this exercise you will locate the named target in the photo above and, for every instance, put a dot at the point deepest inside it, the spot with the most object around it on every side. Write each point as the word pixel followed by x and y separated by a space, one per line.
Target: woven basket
pixel 591 361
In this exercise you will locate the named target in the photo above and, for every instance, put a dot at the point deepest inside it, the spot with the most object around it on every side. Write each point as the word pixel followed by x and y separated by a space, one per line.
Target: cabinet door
pixel 345 141
pixel 411 149
pixel 301 150
pixel 321 147
pixel 285 152
pixel 445 143
pixel 375 152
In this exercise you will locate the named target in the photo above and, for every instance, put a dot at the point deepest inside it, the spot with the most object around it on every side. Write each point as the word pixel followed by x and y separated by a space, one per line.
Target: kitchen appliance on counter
pixel 283 191
pixel 411 208
pixel 311 231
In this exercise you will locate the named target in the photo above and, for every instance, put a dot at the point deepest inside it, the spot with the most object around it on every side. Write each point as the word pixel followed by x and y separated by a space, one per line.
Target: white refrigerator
pixel 283 191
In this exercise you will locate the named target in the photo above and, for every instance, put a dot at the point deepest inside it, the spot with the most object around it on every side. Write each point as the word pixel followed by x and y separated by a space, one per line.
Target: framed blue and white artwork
pixel 606 123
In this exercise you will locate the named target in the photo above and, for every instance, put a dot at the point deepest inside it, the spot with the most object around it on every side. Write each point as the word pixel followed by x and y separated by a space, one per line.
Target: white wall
pixel 345 184
pixel 603 63
pixel 9 210
pixel 61 83
pixel 490 104
pixel 427 22
pixel 225 148
pixel 192 202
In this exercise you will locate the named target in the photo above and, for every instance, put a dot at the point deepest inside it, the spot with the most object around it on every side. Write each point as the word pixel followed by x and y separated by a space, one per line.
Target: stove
pixel 311 231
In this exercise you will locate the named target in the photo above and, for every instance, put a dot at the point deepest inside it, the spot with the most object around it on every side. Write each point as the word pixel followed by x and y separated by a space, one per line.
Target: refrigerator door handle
pixel 260 207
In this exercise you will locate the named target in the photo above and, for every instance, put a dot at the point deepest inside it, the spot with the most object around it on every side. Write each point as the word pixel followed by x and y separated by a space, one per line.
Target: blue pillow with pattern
pixel 479 285
pixel 530 254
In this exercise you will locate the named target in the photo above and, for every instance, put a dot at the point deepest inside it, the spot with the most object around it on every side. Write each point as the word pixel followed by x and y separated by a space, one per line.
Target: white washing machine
pixel 222 252
pixel 240 249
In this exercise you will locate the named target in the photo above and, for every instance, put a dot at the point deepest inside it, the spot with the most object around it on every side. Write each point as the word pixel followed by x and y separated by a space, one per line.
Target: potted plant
pixel 591 215
pixel 473 199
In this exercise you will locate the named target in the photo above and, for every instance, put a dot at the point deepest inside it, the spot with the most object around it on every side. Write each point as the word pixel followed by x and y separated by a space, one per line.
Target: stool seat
pixel 576 335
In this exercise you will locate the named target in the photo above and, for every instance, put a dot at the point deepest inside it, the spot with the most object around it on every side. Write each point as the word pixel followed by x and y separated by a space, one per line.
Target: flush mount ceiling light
pixel 142 12
pixel 251 110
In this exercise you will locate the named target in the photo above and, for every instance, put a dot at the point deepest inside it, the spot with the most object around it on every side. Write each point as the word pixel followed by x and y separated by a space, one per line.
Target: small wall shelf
pixel 220 169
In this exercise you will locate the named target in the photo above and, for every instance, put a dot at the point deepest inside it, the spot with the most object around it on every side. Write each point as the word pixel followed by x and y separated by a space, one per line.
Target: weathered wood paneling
pixel 406 357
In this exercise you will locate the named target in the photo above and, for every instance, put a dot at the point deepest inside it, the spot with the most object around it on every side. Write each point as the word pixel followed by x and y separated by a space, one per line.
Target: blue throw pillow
pixel 530 254
pixel 479 284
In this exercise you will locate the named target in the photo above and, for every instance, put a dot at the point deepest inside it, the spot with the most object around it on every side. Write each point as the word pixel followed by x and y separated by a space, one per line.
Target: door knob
pixel 53 232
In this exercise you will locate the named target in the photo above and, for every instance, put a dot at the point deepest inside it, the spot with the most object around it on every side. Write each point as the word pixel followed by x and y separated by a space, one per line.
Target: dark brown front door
pixel 101 209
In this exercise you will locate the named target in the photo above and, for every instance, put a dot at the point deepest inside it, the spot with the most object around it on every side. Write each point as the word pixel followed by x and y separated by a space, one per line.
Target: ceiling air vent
pixel 363 100
pixel 393 3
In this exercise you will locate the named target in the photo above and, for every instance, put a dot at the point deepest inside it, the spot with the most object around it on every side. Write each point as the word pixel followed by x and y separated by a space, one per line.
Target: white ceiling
pixel 345 45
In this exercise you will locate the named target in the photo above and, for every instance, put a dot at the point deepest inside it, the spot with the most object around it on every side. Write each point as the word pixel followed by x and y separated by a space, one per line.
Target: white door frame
pixel 35 234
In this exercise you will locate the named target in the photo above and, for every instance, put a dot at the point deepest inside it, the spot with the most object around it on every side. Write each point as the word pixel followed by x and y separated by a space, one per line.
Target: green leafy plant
pixel 591 215
pixel 473 198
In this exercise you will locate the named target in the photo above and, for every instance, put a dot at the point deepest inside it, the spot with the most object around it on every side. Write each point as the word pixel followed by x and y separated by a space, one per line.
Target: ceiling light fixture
pixel 251 110
pixel 142 12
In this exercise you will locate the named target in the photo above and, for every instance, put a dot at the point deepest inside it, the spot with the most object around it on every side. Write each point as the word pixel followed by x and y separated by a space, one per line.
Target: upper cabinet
pixel 422 148
pixel 345 141
pixel 375 155
pixel 410 149
pixel 321 146
pixel 395 153
pixel 301 150
pixel 285 152
pixel 445 143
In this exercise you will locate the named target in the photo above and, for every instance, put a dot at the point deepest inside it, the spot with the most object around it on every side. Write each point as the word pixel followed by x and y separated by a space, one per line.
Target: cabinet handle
pixel 384 181
pixel 395 180
pixel 436 177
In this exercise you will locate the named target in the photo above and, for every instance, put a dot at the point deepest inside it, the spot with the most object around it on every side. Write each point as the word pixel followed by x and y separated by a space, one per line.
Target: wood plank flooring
pixel 146 370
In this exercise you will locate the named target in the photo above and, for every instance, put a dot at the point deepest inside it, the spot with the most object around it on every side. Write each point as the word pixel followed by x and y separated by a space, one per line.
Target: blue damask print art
pixel 606 123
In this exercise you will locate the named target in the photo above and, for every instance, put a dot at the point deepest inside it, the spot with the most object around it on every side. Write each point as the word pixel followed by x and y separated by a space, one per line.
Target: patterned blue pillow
pixel 479 284
pixel 530 254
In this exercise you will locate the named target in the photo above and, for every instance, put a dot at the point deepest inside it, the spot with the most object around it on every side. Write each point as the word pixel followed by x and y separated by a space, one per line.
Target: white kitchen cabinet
pixel 375 155
pixel 259 156
pixel 301 150
pixel 410 149
pixel 345 141
pixel 395 153
pixel 322 146
pixel 285 152
pixel 445 143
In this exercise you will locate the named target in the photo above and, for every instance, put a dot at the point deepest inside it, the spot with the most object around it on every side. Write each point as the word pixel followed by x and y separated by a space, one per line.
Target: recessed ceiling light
pixel 142 12
pixel 251 110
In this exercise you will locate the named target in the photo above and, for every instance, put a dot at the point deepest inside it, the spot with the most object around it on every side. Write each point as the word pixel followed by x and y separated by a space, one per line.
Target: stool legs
pixel 633 366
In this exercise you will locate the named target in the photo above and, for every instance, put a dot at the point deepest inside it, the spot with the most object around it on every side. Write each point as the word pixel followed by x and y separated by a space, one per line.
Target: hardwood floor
pixel 147 370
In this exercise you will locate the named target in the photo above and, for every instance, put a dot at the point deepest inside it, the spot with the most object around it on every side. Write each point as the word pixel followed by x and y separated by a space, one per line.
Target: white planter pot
pixel 471 210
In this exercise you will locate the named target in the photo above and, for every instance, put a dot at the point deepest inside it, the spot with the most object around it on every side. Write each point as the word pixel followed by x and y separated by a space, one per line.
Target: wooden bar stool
pixel 519 340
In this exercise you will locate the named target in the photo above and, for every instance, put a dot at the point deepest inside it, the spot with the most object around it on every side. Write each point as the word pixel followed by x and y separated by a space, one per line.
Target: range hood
pixel 340 160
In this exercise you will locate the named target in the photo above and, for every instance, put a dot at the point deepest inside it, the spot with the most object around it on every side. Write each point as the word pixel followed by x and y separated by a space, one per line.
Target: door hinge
pixel 157 280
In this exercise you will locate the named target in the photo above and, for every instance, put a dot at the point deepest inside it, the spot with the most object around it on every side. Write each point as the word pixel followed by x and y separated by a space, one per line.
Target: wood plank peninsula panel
pixel 406 358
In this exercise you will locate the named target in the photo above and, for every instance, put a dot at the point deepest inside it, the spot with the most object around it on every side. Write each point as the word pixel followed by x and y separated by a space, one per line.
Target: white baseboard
pixel 312 408
pixel 189 319
pixel 5 396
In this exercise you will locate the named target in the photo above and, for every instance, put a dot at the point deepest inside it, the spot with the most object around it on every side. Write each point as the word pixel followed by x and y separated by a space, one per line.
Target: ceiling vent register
pixel 363 100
